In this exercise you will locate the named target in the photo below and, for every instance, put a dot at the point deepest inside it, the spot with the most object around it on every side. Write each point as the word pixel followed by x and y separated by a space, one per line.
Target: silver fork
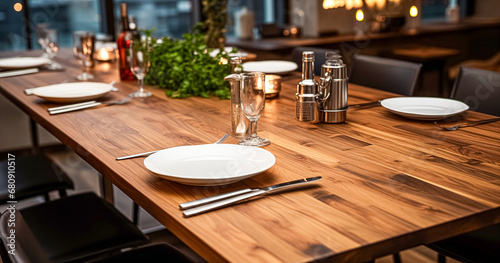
pixel 464 124
pixel 221 140
pixel 88 104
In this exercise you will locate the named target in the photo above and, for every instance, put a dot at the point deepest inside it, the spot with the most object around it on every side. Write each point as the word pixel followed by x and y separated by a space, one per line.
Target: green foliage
pixel 185 68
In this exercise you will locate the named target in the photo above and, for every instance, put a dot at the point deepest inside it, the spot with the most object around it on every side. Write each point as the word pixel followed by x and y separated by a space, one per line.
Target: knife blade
pixel 210 203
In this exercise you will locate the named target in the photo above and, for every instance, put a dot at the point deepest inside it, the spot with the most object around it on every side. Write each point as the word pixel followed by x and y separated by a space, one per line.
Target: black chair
pixel 478 88
pixel 478 246
pixel 70 229
pixel 319 56
pixel 385 74
pixel 157 253
pixel 34 175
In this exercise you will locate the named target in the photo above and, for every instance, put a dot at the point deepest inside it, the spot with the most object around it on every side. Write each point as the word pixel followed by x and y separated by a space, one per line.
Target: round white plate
pixel 270 66
pixel 424 108
pixel 209 164
pixel 73 92
pixel 23 62
pixel 229 49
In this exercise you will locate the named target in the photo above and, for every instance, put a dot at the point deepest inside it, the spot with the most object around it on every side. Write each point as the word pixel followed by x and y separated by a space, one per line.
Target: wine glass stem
pixel 253 127
pixel 141 84
pixel 84 67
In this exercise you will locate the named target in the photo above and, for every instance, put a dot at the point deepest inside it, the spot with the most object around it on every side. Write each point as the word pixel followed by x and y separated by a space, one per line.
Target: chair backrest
pixel 18 244
pixel 385 74
pixel 478 88
pixel 319 55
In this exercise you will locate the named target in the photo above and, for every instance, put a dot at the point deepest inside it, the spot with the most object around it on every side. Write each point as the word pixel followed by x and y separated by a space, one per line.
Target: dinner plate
pixel 209 164
pixel 73 92
pixel 270 66
pixel 229 49
pixel 424 108
pixel 23 62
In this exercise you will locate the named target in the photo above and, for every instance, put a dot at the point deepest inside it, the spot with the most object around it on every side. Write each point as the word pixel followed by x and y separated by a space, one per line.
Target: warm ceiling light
pixel 328 4
pixel 413 11
pixel 378 3
pixel 359 15
pixel 18 7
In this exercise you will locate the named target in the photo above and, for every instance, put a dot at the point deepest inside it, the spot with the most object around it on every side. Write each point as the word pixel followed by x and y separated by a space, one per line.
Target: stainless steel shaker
pixel 307 91
pixel 332 101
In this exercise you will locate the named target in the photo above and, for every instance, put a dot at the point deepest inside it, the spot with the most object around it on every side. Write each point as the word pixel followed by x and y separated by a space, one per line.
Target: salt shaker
pixel 307 91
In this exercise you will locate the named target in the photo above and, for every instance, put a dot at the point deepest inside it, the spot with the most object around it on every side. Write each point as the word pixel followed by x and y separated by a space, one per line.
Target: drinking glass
pixel 252 102
pixel 83 40
pixel 50 44
pixel 41 36
pixel 139 63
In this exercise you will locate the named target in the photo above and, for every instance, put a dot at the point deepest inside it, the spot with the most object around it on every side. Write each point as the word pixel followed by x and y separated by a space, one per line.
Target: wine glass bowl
pixel 41 36
pixel 139 63
pixel 253 102
pixel 83 48
pixel 48 39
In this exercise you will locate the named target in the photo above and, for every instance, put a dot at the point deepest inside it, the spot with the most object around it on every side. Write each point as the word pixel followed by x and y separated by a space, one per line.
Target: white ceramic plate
pixel 209 164
pixel 424 108
pixel 270 66
pixel 229 49
pixel 73 92
pixel 23 62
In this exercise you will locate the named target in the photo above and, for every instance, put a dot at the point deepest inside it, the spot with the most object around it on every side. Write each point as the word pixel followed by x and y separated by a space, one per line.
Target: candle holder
pixel 292 32
pixel 105 54
pixel 273 86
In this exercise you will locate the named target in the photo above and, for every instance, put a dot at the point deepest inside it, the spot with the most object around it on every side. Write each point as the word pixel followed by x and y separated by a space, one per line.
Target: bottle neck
pixel 125 24
pixel 307 69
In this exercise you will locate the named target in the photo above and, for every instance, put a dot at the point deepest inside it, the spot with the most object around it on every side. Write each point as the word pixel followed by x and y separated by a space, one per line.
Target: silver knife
pixel 210 203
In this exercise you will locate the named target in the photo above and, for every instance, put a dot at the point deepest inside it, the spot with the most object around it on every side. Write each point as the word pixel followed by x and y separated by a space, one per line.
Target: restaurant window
pixel 265 12
pixel 65 16
pixel 433 10
pixel 169 17
pixel 11 26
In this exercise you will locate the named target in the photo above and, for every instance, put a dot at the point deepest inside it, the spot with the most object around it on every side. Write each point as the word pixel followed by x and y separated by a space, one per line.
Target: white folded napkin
pixel 12 73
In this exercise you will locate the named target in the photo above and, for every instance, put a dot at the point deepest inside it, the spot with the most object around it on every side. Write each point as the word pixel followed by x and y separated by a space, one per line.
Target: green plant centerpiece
pixel 184 67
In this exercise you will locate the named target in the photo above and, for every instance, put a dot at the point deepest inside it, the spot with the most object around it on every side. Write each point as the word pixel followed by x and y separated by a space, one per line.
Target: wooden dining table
pixel 389 183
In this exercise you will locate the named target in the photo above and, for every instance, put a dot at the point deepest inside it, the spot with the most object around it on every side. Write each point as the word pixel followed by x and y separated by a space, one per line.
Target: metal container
pixel 307 91
pixel 332 101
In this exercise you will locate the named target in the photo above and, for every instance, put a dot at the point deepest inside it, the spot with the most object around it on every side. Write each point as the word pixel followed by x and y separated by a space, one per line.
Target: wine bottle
pixel 123 44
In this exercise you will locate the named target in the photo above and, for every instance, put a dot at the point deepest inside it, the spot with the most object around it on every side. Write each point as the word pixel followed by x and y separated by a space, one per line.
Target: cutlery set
pixel 200 206
pixel 88 104
pixel 12 73
pixel 446 127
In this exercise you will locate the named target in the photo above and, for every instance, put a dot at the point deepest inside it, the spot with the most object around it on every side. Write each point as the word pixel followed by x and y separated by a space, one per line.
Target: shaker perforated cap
pixel 308 56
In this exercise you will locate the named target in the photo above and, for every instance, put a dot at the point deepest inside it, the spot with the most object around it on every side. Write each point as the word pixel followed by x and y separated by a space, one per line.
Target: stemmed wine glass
pixel 83 47
pixel 253 102
pixel 139 63
pixel 41 33
pixel 50 43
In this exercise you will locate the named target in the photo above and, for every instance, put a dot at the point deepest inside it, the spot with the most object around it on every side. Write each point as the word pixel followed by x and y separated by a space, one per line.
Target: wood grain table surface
pixel 389 183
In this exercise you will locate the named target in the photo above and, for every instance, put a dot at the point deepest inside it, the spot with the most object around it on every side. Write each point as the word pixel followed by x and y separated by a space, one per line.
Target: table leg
pixel 107 189
pixel 35 147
